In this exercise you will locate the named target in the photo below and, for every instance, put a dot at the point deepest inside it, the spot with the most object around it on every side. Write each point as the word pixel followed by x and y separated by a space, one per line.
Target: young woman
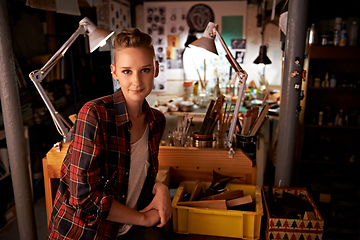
pixel 108 177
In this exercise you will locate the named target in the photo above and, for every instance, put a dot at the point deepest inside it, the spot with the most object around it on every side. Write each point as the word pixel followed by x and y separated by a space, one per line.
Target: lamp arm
pixel 64 132
pixel 38 75
pixel 242 75
pixel 229 55
pixel 43 72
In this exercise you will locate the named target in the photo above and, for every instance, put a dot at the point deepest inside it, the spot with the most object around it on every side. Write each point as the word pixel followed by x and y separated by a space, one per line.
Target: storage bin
pixel 225 223
pixel 288 228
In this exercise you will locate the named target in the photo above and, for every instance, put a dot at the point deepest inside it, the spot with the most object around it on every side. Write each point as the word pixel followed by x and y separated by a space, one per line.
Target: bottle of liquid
pixel 196 88
pixel 353 35
pixel 312 35
pixel 337 28
pixel 343 35
pixel 333 81
pixel 223 86
pixel 326 80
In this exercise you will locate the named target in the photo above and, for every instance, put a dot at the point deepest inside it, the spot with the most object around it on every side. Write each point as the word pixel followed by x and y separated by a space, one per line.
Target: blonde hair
pixel 133 38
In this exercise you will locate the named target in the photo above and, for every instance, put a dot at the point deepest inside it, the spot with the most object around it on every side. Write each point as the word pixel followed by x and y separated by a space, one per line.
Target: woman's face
pixel 135 69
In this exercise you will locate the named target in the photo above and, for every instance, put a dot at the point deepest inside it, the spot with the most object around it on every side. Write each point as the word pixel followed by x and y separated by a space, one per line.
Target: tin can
pixel 202 141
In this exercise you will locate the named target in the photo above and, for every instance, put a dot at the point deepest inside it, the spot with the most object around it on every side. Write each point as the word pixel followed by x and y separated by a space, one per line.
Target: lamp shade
pixel 97 36
pixel 262 58
pixel 207 40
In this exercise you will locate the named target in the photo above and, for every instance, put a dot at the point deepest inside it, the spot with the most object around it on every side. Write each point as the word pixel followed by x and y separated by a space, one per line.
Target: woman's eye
pixel 146 70
pixel 126 71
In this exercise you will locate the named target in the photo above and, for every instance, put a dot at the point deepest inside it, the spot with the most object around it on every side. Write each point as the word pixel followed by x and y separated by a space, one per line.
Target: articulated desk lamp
pixel 97 37
pixel 207 42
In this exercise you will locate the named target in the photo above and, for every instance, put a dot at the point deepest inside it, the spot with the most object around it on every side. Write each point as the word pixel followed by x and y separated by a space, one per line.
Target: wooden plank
pixel 48 192
pixel 309 215
pixel 215 204
pixel 247 123
pixel 260 120
pixel 51 169
pixel 239 201
pixel 196 191
pixel 226 196
pixel 333 52
pixel 55 159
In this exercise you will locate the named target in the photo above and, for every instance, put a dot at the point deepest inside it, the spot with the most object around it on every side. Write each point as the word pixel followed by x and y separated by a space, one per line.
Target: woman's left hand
pixel 161 202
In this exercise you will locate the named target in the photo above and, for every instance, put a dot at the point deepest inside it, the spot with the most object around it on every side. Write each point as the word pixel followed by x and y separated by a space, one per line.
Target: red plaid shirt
pixel 95 170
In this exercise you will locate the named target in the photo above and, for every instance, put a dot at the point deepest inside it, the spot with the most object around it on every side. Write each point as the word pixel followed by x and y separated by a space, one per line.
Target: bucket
pixel 202 141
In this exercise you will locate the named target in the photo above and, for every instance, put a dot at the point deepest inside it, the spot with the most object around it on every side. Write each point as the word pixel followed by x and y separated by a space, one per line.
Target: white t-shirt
pixel 139 165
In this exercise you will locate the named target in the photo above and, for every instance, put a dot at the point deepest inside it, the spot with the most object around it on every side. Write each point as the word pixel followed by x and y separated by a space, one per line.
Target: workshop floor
pixel 11 231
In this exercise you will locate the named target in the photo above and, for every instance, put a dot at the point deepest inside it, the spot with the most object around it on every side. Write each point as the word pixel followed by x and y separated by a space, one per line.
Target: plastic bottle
pixel 196 88
pixel 343 35
pixel 333 81
pixel 326 80
pixel 353 34
pixel 337 28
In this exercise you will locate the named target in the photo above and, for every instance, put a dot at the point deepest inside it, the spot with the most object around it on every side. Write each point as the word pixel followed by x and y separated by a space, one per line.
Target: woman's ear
pixel 113 71
pixel 156 68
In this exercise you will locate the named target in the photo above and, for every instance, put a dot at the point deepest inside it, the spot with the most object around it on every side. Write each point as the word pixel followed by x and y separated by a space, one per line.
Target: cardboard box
pixel 292 228
pixel 217 222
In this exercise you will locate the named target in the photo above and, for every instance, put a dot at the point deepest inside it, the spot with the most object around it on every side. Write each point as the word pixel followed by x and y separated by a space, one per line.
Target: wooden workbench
pixel 184 164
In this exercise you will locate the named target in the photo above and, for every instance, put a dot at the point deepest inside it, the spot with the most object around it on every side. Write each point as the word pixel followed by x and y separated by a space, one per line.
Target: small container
pixel 324 40
pixel 353 35
pixel 186 106
pixel 332 81
pixel 188 89
pixel 317 82
pixel 202 141
pixel 247 144
pixel 244 223
pixel 320 120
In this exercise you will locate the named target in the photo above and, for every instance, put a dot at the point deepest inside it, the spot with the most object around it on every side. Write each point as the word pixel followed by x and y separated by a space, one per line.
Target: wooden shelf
pixel 329 153
pixel 332 127
pixel 336 89
pixel 331 52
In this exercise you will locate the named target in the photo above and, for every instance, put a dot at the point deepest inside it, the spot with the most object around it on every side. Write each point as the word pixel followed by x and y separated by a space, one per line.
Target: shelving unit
pixel 330 156
pixel 7 203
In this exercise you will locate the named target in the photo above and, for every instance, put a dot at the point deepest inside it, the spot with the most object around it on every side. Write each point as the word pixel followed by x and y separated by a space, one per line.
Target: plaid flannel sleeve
pixel 90 200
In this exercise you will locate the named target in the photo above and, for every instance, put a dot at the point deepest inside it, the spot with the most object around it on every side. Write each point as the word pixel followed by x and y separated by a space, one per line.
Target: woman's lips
pixel 137 91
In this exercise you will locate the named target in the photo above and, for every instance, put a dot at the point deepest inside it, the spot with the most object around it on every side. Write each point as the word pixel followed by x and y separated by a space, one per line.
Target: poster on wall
pixel 155 26
pixel 113 15
pixel 169 23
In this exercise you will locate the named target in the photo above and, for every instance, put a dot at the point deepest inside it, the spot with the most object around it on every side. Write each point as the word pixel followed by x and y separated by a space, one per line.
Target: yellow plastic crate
pixel 225 223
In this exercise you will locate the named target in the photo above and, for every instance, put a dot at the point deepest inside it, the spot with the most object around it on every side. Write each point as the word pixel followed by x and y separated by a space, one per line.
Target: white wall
pixel 253 42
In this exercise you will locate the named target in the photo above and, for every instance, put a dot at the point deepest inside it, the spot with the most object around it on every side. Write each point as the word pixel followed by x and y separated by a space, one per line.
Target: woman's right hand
pixel 151 218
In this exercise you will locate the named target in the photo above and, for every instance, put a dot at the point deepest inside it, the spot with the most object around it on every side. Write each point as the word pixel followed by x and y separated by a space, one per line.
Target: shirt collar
pixel 121 113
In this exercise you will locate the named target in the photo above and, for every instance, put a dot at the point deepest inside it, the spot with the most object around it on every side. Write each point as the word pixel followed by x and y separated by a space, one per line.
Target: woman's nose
pixel 136 79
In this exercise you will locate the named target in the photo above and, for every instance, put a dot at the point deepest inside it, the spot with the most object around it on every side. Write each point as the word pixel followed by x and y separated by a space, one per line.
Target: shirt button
pixel 126 173
pixel 123 196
